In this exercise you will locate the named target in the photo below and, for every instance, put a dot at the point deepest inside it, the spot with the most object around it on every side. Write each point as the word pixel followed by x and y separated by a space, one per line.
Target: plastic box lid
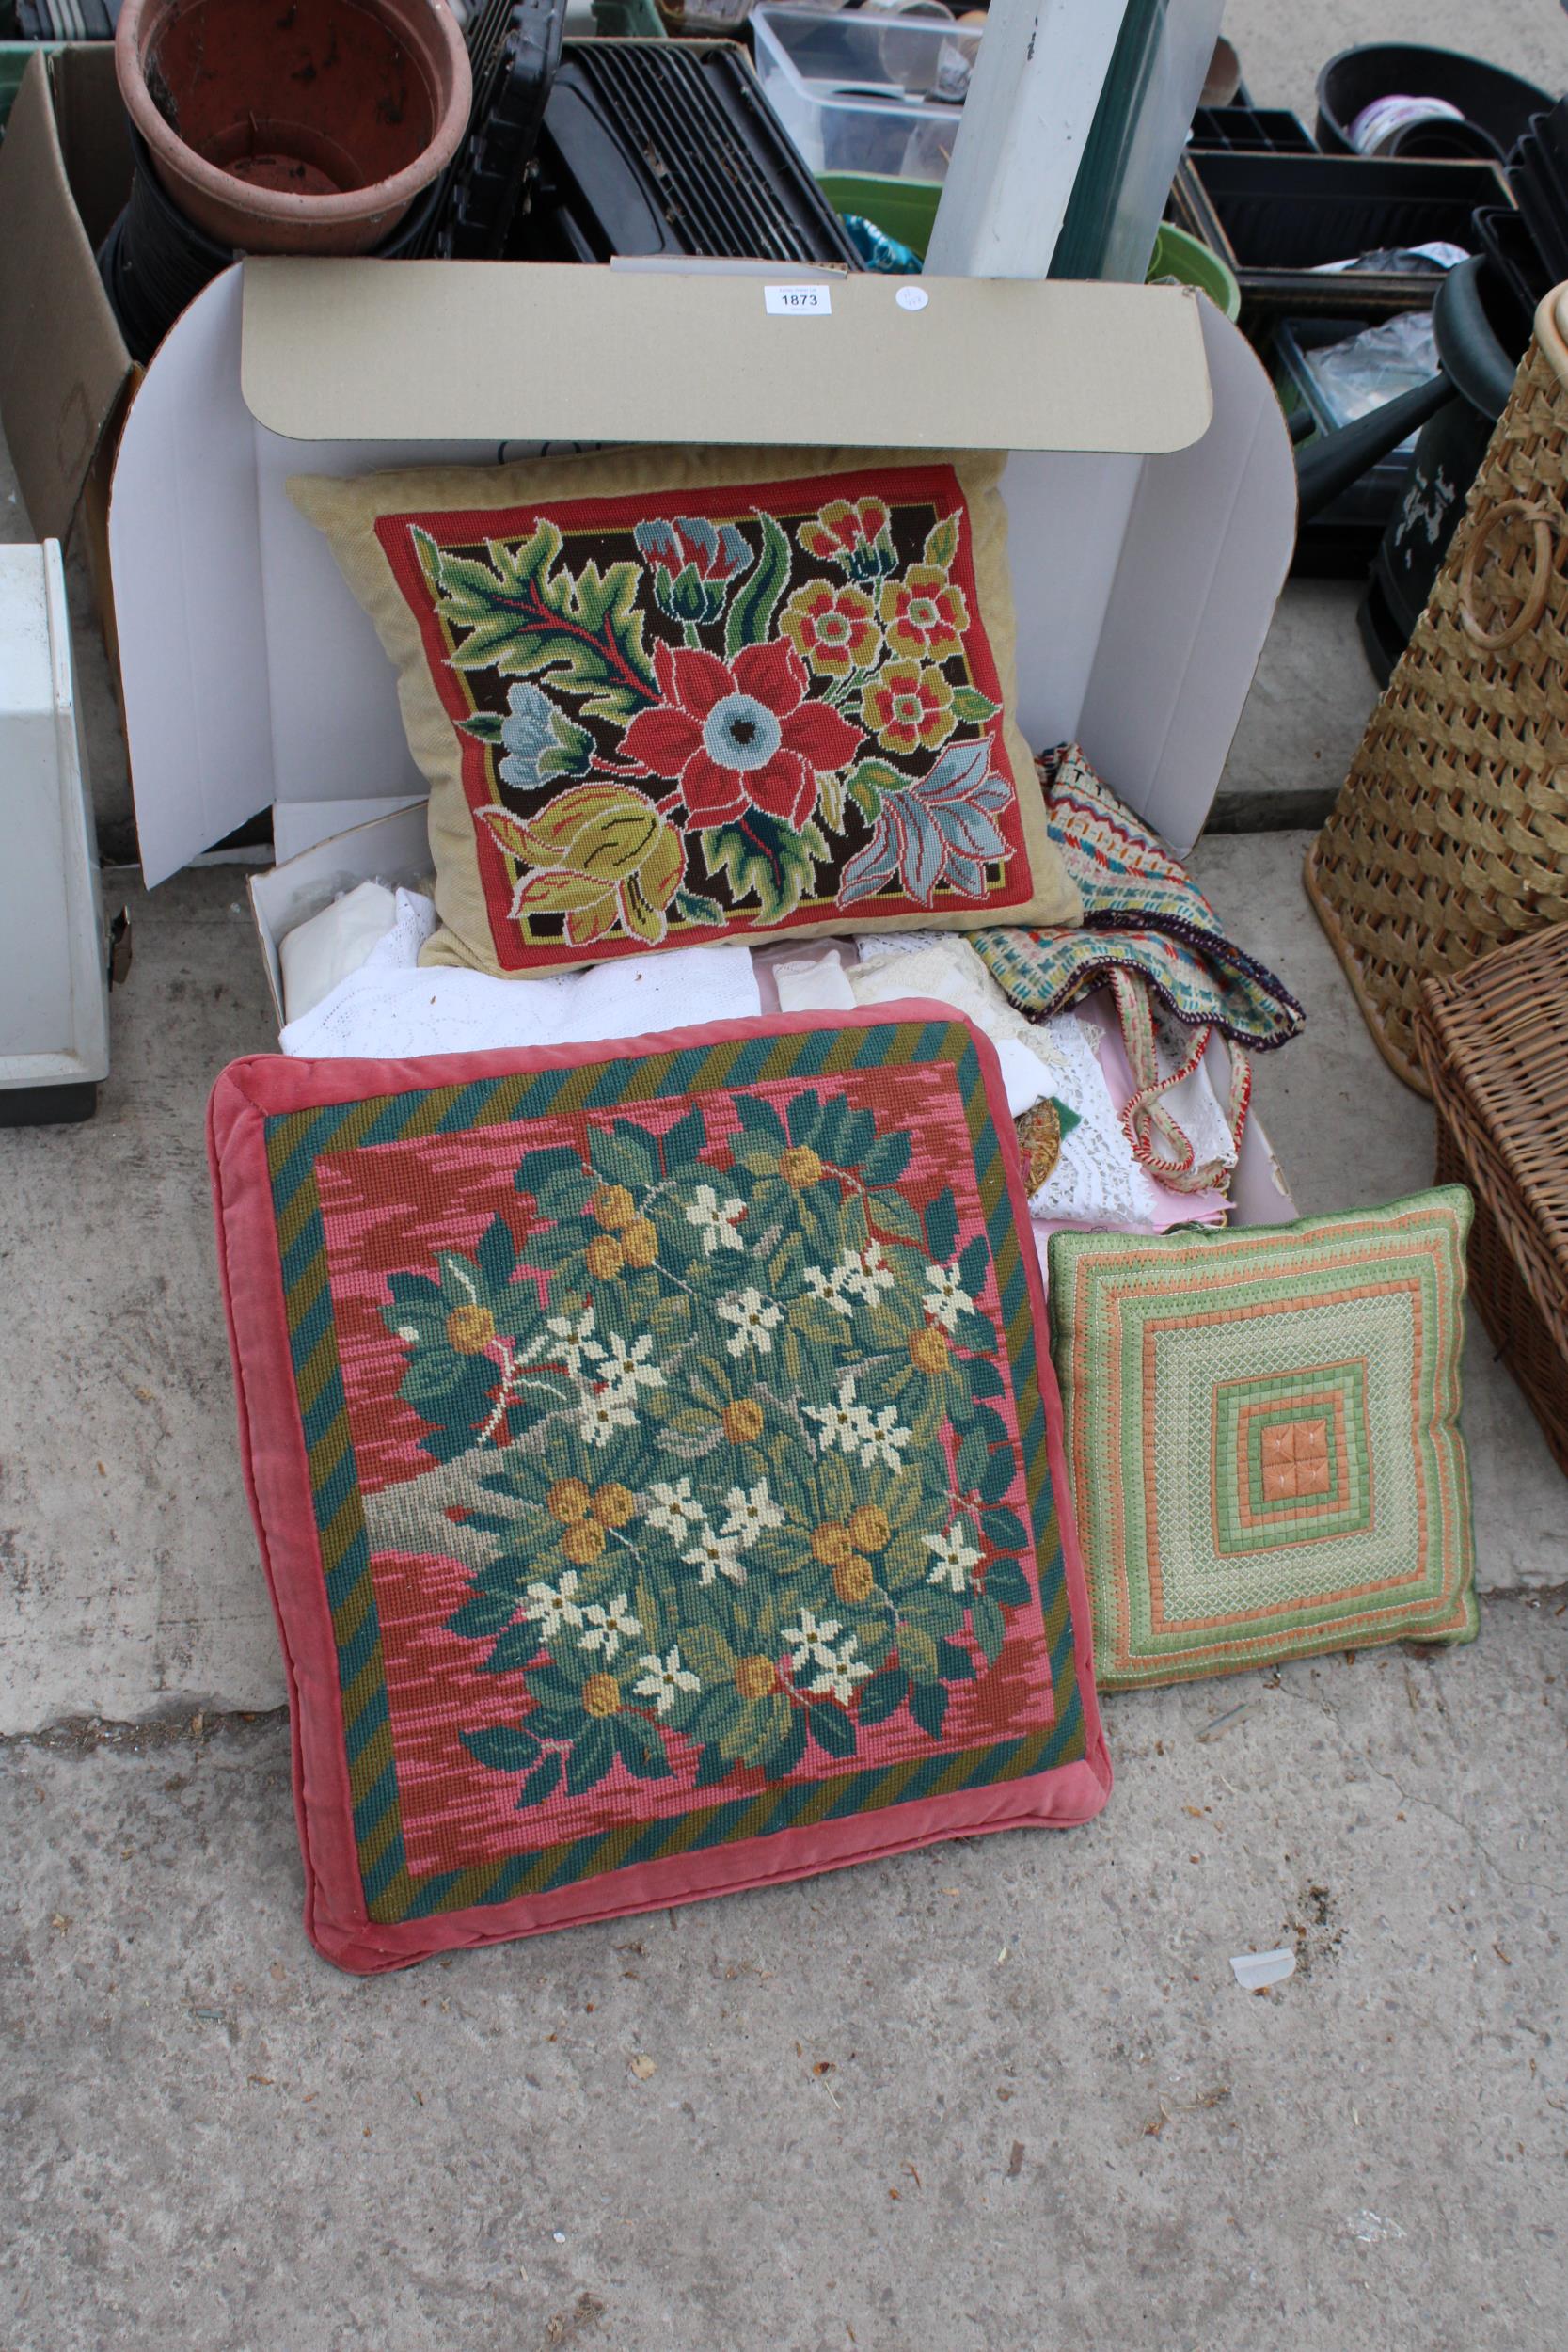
pixel 860 91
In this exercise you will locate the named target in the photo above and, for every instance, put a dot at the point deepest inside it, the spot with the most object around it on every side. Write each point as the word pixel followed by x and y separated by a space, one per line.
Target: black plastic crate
pixel 1341 542
pixel 1251 130
pixel 1276 218
pixel 664 147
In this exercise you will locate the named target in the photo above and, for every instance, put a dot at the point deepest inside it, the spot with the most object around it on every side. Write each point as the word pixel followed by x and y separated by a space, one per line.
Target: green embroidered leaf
pixel 990 1425
pixel 893 1215
pixel 757 1117
pixel 831 1125
pixel 1003 1529
pixel 833 1729
pixel 517 1647
pixel 917 1650
pixel 496 1253
pixel 429 555
pixel 535 1168
pixel 999 1473
pixel 884 1695
pixel 868 782
pixel 974 1331
pixel 969 703
pixel 691 907
pixel 641 1749
pixel 685 1141
pixel 941 1225
pixel 593 1754
pixel 953 1662
pixel 519 614
pixel 780 1761
pixel 520 567
pixel 566 1196
pixel 887 1159
pixel 413 1287
pixel 503 1748
pixel 859 1135
pixel 485 727
pixel 541 1782
pixel 623 1154
pixel 496 641
pixel 708 1654
pixel 801 1116
pixel 765 859
pixel 712 1766
pixel 942 542
pixel 785 1266
pixel 482 1614
pixel 470 591
pixel 750 614
pixel 928 1706
pixel 974 1459
pixel 983 1378
pixel 987 1624
pixel 557 1694
pixel 1006 1584
pixel 972 1265
pixel 572 752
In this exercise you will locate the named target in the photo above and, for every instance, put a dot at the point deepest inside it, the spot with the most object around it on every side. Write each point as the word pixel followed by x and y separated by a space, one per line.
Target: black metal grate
pixel 710 148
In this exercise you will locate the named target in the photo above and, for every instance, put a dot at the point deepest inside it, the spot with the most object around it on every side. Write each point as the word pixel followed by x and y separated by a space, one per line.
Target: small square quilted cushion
pixel 1263 1437
pixel 670 696
pixel 657 1466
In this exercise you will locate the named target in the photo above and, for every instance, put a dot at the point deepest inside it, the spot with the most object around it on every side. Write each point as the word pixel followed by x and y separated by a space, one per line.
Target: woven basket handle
pixel 1545 520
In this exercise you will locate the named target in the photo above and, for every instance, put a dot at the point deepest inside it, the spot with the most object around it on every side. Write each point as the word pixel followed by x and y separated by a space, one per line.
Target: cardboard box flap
pixel 51 296
pixel 443 351
pixel 1142 583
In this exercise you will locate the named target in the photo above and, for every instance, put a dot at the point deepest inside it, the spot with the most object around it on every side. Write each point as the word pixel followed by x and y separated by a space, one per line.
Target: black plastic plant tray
pixel 1276 218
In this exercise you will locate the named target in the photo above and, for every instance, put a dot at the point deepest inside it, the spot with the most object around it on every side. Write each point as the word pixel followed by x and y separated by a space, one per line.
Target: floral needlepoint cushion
pixel 657 1466
pixel 1263 1437
pixel 674 696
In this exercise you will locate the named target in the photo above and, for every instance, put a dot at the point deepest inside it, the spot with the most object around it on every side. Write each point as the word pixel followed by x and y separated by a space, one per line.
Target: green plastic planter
pixel 1191 263
pixel 905 209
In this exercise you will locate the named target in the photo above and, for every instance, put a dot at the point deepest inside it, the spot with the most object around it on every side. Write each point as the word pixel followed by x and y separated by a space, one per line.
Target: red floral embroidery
pixel 679 725
pixel 739 732
pixel 909 707
pixel 925 614
pixel 835 629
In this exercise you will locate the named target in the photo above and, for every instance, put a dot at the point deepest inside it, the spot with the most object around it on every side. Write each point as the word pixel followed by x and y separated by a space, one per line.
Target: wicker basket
pixel 1494 1044
pixel 1451 833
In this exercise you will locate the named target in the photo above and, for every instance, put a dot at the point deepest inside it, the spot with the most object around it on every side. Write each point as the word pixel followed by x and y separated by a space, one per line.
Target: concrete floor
pixel 981 2099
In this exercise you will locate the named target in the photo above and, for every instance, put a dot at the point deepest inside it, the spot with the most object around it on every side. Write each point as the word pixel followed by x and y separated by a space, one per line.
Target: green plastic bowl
pixel 1191 263
pixel 905 209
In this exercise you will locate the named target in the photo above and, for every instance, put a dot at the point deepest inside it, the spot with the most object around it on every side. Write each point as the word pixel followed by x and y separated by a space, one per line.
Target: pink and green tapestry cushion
pixel 1263 1437
pixel 657 1465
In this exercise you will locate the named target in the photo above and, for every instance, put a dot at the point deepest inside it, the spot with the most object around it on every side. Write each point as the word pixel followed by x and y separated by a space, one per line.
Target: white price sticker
pixel 799 302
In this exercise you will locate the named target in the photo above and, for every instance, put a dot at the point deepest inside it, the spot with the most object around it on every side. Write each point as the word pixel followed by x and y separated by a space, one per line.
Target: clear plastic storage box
pixel 860 91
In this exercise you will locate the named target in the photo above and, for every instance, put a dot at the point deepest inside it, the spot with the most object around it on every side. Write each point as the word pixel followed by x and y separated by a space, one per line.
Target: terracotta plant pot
pixel 294 126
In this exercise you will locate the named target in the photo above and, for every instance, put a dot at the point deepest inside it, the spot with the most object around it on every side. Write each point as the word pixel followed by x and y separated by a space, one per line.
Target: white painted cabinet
pixel 54 986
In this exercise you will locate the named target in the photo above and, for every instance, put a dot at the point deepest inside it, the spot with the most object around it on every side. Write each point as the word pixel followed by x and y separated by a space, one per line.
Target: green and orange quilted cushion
pixel 1263 1437
pixel 657 1465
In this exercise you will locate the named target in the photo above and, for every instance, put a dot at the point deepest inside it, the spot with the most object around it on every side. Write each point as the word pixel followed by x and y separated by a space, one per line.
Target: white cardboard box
pixel 1150 487
pixel 1150 494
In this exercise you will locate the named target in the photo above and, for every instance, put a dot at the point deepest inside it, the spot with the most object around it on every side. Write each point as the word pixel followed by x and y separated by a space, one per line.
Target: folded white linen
pixel 385 1011
pixel 326 948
